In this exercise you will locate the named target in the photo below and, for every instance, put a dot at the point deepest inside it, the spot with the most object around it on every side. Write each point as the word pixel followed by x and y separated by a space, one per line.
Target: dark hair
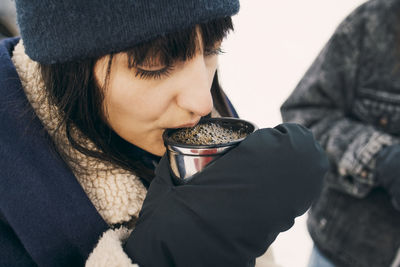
pixel 73 89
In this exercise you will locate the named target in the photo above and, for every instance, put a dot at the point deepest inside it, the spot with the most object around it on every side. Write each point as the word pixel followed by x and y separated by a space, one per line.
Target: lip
pixel 189 124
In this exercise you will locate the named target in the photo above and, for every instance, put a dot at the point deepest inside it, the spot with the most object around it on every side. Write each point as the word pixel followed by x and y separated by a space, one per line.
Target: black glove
pixel 388 172
pixel 228 214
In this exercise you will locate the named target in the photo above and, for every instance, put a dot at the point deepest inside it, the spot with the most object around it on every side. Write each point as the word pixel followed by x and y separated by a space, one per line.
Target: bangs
pixel 180 46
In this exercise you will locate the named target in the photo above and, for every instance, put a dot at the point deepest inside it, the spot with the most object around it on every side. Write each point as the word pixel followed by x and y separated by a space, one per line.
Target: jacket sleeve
pixel 229 213
pixel 322 101
pixel 108 251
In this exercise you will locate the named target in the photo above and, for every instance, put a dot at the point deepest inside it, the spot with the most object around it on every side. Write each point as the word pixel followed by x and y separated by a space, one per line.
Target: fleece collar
pixel 116 193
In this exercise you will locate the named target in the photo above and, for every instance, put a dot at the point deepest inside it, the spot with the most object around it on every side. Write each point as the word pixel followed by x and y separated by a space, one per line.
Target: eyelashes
pixel 166 70
pixel 153 74
pixel 214 52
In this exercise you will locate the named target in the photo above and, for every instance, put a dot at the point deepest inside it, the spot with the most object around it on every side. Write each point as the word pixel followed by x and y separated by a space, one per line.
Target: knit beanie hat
pixel 59 31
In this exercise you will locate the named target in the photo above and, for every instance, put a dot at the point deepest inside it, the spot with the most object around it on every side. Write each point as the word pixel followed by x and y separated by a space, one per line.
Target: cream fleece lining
pixel 109 252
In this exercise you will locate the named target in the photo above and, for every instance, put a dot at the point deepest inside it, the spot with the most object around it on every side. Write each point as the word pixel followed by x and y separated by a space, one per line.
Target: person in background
pixel 350 99
pixel 86 94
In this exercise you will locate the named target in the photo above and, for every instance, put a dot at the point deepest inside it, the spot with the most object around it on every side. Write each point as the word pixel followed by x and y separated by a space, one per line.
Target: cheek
pixel 128 100
pixel 123 101
pixel 212 64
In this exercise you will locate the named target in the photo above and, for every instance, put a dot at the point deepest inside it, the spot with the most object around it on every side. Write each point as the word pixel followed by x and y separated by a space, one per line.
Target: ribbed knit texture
pixel 59 31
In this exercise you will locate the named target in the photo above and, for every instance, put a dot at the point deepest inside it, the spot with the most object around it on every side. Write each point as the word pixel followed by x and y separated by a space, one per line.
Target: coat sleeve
pixel 12 252
pixel 322 101
pixel 108 252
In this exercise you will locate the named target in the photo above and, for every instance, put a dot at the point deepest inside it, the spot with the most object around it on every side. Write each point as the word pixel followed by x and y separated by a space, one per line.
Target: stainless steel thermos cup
pixel 188 159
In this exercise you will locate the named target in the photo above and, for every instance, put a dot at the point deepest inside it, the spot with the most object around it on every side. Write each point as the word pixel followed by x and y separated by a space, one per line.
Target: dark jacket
pixel 350 99
pixel 65 227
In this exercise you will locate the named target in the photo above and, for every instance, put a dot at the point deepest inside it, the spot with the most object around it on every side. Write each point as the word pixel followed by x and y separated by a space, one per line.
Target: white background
pixel 273 45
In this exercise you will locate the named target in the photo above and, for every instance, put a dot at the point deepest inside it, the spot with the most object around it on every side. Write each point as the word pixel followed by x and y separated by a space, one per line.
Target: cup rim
pixel 168 142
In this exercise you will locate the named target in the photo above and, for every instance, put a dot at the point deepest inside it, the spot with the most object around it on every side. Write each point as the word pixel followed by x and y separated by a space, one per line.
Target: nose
pixel 195 91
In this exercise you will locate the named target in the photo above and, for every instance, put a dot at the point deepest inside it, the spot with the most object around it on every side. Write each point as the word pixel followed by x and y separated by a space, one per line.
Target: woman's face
pixel 141 102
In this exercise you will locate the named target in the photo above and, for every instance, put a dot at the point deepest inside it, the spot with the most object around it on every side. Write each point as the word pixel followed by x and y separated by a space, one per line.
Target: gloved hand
pixel 228 214
pixel 388 172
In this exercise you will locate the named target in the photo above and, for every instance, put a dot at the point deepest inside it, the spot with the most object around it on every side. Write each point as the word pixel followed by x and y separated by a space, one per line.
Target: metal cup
pixel 187 159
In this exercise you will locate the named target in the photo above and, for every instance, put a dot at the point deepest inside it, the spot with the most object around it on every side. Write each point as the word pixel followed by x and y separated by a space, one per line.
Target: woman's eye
pixel 153 74
pixel 213 52
pixel 156 74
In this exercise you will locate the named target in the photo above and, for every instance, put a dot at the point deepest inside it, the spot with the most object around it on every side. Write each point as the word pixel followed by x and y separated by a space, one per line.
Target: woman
pixel 350 98
pixel 86 95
